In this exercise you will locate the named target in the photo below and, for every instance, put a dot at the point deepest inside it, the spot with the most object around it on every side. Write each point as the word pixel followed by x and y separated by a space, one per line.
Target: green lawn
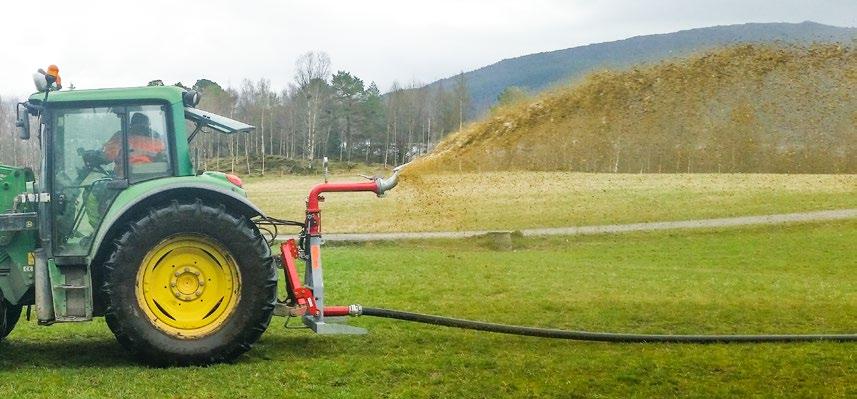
pixel 516 200
pixel 781 279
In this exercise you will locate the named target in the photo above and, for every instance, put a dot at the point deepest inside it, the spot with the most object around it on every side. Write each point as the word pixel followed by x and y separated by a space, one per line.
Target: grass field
pixel 515 200
pixel 786 279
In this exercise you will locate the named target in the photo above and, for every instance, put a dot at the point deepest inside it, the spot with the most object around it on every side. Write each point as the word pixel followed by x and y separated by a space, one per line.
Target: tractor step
pixel 72 292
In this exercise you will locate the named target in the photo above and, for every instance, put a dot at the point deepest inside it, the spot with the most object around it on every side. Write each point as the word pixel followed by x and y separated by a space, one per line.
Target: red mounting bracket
pixel 303 297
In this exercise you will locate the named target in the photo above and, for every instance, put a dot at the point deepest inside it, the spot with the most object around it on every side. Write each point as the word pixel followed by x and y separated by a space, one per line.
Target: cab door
pixel 82 175
pixel 97 152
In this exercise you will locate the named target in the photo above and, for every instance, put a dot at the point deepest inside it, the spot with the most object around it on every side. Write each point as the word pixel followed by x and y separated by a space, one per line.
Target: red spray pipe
pixel 313 199
pixel 378 185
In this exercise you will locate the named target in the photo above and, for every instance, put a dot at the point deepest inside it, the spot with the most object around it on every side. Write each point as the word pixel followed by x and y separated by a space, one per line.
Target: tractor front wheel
pixel 9 315
pixel 189 284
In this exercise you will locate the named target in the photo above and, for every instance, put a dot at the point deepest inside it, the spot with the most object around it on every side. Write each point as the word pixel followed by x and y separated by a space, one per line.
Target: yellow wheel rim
pixel 188 286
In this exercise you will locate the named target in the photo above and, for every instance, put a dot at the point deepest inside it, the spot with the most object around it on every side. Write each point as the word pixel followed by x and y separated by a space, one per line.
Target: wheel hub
pixel 188 283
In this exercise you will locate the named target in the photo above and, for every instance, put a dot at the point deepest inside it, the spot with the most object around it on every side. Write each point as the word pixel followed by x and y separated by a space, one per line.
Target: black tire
pixel 255 298
pixel 9 315
pixel 2 318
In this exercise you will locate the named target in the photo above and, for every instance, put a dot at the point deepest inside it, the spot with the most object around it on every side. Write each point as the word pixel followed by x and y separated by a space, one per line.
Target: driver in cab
pixel 144 145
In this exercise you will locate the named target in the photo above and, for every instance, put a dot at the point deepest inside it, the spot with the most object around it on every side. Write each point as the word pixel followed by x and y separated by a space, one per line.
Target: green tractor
pixel 119 224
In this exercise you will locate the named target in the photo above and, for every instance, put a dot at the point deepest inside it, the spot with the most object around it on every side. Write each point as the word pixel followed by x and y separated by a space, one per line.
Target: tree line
pixel 326 114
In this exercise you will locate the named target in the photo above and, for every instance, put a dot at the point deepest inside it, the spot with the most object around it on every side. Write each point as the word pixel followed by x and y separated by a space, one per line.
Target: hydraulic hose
pixel 599 336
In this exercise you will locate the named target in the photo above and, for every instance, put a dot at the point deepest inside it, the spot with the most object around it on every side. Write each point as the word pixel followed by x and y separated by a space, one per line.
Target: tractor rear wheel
pixel 189 284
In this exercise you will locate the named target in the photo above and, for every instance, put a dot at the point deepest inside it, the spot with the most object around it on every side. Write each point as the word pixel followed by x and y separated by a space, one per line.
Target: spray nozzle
pixel 389 183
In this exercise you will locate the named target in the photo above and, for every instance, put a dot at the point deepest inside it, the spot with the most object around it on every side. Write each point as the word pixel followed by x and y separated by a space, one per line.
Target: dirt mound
pixel 749 108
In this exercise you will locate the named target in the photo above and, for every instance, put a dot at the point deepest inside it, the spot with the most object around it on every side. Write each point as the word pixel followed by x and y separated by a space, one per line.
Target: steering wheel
pixel 93 160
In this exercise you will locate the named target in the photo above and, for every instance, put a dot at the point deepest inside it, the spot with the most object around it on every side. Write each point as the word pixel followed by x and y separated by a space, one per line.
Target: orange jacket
pixel 143 149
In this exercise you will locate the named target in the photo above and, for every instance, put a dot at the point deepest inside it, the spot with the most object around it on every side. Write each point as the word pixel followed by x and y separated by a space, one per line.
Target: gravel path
pixel 818 216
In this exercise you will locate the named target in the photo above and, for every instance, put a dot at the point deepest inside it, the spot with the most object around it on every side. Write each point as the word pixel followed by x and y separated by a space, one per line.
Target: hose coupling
pixel 355 310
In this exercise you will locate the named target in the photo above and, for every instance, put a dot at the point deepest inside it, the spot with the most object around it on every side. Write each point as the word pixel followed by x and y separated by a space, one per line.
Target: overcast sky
pixel 122 43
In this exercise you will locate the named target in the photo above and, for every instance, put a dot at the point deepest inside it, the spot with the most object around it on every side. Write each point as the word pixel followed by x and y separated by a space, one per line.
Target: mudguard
pixel 139 197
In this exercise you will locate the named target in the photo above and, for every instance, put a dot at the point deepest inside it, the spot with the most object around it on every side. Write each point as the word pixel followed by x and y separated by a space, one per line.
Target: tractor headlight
pixel 191 98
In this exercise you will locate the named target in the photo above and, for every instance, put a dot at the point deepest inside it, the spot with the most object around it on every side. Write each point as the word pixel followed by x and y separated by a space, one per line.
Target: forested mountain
pixel 535 72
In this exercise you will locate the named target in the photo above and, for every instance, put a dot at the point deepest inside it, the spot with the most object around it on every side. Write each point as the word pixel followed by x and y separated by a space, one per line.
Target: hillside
pixel 746 108
pixel 536 72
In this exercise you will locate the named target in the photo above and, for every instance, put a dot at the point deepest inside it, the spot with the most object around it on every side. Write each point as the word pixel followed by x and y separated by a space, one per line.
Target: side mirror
pixel 22 121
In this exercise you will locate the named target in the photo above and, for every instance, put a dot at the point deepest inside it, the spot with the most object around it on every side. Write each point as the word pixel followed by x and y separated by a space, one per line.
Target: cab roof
pixel 170 94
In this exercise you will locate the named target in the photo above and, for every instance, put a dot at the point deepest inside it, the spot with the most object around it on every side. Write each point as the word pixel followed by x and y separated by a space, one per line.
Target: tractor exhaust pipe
pixel 44 296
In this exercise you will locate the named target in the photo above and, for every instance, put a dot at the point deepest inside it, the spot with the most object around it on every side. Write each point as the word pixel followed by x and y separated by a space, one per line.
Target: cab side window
pixel 148 148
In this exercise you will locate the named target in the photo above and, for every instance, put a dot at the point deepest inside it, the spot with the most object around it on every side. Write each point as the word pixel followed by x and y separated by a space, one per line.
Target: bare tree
pixel 311 71
pixel 463 96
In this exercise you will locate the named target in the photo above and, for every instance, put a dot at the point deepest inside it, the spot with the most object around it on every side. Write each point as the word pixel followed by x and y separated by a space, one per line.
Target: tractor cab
pixel 99 143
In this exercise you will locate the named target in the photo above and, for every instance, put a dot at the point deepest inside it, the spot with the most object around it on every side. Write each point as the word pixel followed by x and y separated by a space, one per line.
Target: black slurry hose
pixel 599 336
